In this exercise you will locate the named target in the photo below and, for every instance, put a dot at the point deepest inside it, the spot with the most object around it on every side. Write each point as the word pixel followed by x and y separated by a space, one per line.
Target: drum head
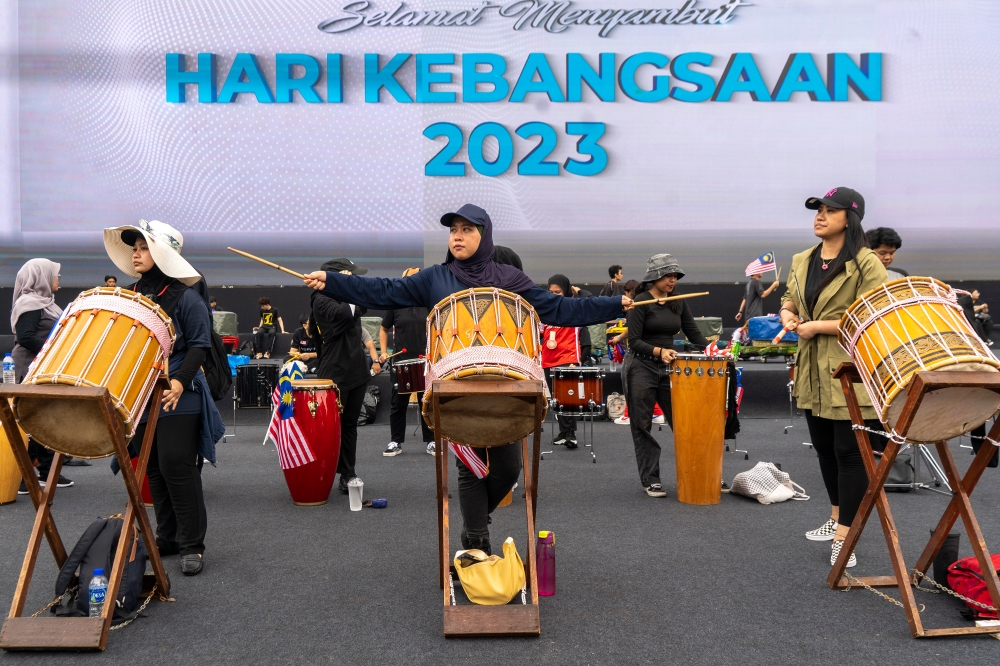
pixel 481 421
pixel 314 384
pixel 947 412
pixel 70 426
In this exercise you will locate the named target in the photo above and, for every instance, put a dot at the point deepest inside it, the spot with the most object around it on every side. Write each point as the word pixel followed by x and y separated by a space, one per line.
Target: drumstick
pixel 669 298
pixel 401 351
pixel 265 261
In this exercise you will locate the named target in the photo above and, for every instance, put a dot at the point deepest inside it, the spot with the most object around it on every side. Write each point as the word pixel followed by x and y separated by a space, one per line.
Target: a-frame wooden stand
pixel 922 384
pixel 76 633
pixel 468 621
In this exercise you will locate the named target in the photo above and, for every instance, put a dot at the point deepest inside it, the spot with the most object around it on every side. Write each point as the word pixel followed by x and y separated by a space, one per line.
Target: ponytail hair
pixel 854 242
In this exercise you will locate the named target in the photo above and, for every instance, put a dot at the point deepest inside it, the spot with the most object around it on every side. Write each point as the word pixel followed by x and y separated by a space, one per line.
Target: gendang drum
pixel 316 425
pixel 483 334
pixel 410 375
pixel 109 337
pixel 911 325
pixel 578 391
pixel 698 386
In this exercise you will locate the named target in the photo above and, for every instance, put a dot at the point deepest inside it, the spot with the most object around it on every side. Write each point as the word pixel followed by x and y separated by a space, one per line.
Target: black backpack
pixel 96 550
pixel 217 370
pixel 370 406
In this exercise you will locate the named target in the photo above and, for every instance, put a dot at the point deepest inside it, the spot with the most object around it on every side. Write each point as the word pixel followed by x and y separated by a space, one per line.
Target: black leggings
pixel 479 497
pixel 175 482
pixel 352 400
pixel 264 339
pixel 400 402
pixel 840 462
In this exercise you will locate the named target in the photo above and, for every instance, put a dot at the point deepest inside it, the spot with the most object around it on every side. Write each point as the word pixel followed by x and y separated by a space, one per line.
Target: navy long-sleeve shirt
pixel 432 285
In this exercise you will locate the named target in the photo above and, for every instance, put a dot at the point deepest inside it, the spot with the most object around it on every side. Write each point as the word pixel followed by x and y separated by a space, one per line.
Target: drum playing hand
pixel 316 280
pixel 382 357
pixel 667 355
pixel 171 397
pixel 626 303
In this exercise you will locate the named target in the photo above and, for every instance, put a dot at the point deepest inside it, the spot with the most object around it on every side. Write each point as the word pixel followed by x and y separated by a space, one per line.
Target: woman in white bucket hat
pixel 189 424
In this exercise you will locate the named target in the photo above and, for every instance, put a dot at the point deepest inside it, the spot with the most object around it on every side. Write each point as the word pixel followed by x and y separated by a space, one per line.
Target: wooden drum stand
pixel 512 619
pixel 76 633
pixel 922 384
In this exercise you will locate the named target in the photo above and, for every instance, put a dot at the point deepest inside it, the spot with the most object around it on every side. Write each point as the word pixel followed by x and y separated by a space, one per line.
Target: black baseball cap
pixel 839 197
pixel 343 264
pixel 470 212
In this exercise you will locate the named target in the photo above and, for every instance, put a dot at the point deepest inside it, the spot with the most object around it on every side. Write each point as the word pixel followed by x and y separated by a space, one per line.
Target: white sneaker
pixel 823 533
pixel 835 552
pixel 623 420
pixel 656 490
pixel 659 420
pixel 430 448
pixel 393 449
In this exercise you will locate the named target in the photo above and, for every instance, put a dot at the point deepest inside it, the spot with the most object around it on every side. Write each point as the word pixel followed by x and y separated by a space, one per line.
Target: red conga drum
pixel 317 416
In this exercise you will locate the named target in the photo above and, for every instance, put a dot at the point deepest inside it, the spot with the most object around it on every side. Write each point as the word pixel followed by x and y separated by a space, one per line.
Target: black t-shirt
pixel 814 276
pixel 409 331
pixel 755 304
pixel 303 342
pixel 655 325
pixel 269 317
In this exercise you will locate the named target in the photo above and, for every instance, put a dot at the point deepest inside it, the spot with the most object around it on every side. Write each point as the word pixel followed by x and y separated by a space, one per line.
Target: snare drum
pixel 578 391
pixel 483 334
pixel 410 375
pixel 698 387
pixel 317 417
pixel 911 325
pixel 109 337
pixel 255 384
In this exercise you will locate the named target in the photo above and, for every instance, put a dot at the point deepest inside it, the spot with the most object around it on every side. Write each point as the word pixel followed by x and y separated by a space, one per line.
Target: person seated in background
pixel 884 242
pixel 264 333
pixel 614 287
pixel 304 344
pixel 110 281
pixel 213 305
pixel 753 298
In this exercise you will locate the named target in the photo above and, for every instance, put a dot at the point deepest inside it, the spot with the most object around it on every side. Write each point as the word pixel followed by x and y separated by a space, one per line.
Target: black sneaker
pixel 342 486
pixel 656 490
pixel 76 462
pixel 63 482
pixel 393 449
pixel 571 443
pixel 22 489
pixel 561 441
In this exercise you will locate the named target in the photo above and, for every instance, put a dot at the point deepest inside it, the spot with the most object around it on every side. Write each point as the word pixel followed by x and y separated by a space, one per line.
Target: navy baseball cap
pixel 839 197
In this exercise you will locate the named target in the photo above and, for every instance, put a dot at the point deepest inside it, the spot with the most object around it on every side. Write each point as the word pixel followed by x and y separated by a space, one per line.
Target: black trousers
pixel 976 435
pixel 567 424
pixel 840 462
pixel 479 497
pixel 264 338
pixel 41 458
pixel 175 482
pixel 352 400
pixel 397 417
pixel 648 384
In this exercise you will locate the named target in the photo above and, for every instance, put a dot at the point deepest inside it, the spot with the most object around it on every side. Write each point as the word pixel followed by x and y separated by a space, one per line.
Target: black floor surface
pixel 640 580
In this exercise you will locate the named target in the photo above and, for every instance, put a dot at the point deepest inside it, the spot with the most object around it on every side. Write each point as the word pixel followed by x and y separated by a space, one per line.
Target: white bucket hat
pixel 165 244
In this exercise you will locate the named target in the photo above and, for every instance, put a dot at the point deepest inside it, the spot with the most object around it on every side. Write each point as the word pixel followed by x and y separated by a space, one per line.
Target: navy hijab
pixel 480 270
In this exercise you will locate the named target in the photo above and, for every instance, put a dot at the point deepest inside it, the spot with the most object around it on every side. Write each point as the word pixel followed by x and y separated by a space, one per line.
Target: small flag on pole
pixel 761 264
pixel 469 459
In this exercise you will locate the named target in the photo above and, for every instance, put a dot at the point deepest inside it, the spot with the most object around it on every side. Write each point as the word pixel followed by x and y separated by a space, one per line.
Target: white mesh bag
pixel 767 484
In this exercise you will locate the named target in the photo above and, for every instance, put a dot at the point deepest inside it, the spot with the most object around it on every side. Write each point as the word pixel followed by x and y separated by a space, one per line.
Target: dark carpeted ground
pixel 640 580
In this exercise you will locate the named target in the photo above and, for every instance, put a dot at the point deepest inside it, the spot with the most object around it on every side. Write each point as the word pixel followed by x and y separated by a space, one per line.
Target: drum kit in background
pixel 578 392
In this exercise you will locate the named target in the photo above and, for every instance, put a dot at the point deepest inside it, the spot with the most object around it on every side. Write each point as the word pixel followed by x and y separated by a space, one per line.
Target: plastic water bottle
pixel 98 590
pixel 8 369
pixel 546 554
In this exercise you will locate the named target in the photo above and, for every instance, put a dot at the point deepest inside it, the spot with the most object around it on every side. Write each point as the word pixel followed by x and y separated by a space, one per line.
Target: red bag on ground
pixel 966 578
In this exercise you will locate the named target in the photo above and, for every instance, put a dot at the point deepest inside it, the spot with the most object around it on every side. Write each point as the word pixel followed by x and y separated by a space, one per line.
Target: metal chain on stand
pixel 138 612
pixel 851 580
pixel 56 600
pixel 946 590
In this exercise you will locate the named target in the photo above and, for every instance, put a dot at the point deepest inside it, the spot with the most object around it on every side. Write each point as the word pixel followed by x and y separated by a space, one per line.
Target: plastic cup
pixel 355 489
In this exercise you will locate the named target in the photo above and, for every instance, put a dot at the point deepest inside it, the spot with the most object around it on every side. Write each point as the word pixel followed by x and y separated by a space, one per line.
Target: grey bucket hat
pixel 660 265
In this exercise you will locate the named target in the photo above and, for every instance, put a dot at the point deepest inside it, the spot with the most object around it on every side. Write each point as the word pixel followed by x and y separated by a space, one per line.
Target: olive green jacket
pixel 817 358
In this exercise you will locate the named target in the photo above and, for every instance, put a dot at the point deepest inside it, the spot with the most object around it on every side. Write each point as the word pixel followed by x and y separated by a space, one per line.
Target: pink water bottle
pixel 546 558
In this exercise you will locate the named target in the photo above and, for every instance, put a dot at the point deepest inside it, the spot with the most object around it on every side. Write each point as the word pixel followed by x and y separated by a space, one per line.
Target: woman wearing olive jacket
pixel 824 281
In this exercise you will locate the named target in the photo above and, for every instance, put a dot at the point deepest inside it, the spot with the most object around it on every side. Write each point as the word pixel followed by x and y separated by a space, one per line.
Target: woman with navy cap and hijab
pixel 470 263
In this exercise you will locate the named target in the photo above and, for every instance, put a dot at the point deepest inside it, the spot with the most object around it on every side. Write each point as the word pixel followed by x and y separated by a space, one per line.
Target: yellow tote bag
pixel 494 580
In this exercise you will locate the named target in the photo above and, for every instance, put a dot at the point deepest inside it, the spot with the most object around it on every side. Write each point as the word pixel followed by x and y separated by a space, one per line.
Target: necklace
pixel 826 262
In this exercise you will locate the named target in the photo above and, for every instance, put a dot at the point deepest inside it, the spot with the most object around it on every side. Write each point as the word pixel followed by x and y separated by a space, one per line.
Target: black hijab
pixel 481 270
pixel 563 283
pixel 166 291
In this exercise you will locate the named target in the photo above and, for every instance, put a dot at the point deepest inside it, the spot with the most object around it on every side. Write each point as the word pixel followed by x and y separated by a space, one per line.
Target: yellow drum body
pixel 911 325
pixel 482 334
pixel 10 473
pixel 107 337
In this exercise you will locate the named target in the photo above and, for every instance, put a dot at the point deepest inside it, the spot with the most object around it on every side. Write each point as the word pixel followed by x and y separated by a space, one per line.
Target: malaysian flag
pixel 761 264
pixel 293 449
pixel 469 459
